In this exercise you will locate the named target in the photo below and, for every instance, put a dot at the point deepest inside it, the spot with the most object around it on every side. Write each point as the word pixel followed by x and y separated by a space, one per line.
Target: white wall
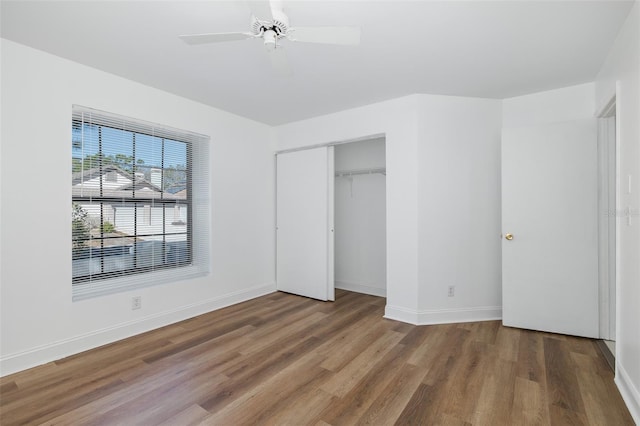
pixel 430 180
pixel 459 206
pixel 620 75
pixel 565 104
pixel 360 221
pixel 38 319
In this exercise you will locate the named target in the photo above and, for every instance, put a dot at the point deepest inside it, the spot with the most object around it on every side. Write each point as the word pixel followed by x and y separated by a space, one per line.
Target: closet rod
pixel 353 172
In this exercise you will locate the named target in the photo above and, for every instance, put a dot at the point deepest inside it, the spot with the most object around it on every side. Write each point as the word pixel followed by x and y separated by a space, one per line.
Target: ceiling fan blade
pixel 348 36
pixel 261 9
pixel 214 37
pixel 279 62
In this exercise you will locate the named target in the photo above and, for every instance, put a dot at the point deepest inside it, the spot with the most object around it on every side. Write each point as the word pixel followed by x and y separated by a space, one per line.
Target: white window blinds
pixel 140 203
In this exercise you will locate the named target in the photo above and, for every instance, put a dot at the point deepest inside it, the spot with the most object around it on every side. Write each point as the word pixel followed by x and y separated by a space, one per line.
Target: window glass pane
pixel 175 174
pixel 84 146
pixel 175 184
pixel 176 219
pixel 117 148
pixel 175 154
pixel 148 150
pixel 148 182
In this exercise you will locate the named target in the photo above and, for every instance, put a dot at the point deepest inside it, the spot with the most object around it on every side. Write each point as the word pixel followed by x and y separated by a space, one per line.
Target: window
pixel 139 203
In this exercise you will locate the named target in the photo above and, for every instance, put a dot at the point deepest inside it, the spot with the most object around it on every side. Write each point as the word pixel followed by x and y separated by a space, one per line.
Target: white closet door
pixel 305 223
pixel 549 206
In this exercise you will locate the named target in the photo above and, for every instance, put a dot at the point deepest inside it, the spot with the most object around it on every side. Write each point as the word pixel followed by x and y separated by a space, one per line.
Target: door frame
pixel 334 143
pixel 608 239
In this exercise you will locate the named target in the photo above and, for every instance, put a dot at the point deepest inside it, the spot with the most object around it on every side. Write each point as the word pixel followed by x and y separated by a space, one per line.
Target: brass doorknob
pixel 508 236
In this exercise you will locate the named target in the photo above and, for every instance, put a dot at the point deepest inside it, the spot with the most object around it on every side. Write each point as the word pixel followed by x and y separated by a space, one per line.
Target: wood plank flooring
pixel 287 360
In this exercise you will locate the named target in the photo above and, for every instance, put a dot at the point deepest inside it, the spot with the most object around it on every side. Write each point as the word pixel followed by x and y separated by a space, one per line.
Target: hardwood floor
pixel 284 359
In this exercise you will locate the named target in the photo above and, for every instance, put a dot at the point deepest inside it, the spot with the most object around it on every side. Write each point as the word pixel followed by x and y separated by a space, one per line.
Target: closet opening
pixel 360 242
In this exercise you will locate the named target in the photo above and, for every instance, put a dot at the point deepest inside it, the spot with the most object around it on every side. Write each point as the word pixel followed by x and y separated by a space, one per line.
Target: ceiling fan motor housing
pixel 279 25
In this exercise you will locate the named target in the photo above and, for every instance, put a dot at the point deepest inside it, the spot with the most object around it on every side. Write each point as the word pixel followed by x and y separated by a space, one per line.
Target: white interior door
pixel 549 205
pixel 305 223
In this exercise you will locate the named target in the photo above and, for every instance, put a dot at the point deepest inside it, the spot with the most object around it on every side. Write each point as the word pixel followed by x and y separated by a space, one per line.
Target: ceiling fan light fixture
pixel 270 37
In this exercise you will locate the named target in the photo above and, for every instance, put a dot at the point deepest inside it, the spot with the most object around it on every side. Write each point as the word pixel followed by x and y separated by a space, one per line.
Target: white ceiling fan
pixel 270 24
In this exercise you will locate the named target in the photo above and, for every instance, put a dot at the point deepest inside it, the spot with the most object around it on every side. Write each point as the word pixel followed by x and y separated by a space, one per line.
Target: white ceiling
pixel 476 48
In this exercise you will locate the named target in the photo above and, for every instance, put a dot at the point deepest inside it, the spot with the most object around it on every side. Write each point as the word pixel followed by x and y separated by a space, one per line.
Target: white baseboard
pixel 361 288
pixel 443 316
pixel 401 314
pixel 630 394
pixel 15 362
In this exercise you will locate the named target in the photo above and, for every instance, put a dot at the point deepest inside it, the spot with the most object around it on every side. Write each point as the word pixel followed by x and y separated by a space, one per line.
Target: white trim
pixel 19 361
pixel 629 393
pixel 331 222
pixel 607 222
pixel 401 314
pixel 618 223
pixel 373 290
pixel 341 142
pixel 607 109
pixel 443 316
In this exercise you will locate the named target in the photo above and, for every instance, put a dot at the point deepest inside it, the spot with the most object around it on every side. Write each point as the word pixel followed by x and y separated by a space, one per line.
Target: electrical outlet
pixel 452 291
pixel 136 302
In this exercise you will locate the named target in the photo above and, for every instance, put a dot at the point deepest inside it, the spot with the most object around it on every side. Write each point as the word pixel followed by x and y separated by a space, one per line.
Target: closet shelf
pixel 354 172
